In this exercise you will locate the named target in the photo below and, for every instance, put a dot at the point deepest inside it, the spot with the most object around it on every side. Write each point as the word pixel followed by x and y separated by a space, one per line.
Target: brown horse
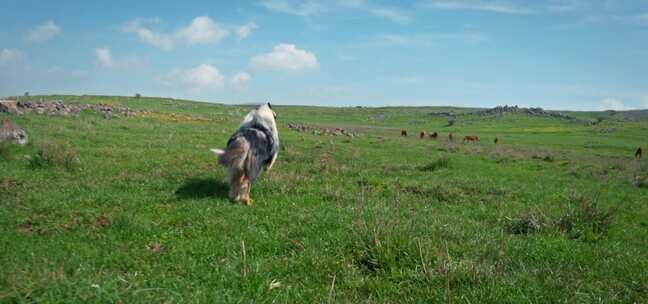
pixel 496 141
pixel 403 132
pixel 472 138
pixel 434 135
pixel 639 153
pixel 422 135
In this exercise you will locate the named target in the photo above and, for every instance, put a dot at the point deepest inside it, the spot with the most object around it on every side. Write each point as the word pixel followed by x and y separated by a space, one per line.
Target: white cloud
pixel 566 6
pixel 8 56
pixel 241 80
pixel 353 3
pixel 427 39
pixel 44 32
pixel 160 40
pixel 201 77
pixel 202 30
pixel 480 5
pixel 394 15
pixel 613 104
pixel 317 8
pixel 104 57
pixel 398 39
pixel 206 76
pixel 303 9
pixel 244 31
pixel 286 57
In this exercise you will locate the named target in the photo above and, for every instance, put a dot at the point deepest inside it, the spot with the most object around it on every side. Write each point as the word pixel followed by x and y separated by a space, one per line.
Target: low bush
pixel 52 154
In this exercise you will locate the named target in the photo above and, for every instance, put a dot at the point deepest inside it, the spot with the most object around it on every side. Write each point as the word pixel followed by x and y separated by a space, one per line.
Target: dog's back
pixel 248 150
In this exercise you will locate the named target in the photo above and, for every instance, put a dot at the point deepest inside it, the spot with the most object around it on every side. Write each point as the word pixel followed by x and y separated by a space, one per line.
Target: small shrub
pixel 528 222
pixel 7 184
pixel 138 95
pixel 382 245
pixel 586 219
pixel 443 162
pixel 5 150
pixel 640 181
pixel 545 157
pixel 50 154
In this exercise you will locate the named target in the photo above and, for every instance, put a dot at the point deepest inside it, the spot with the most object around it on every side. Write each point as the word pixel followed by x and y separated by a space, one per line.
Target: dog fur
pixel 252 147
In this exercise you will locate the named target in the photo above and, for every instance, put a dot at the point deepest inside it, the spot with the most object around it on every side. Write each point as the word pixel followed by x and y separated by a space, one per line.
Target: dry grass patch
pixel 53 154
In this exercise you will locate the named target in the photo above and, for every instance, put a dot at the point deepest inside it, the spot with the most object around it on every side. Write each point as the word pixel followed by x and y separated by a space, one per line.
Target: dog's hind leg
pixel 246 186
pixel 235 185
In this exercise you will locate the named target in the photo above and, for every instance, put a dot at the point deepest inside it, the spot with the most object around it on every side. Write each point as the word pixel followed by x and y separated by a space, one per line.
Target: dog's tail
pixel 235 155
pixel 240 158
pixel 218 152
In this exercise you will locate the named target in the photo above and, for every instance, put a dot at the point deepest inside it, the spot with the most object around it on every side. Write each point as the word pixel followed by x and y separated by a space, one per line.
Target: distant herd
pixel 474 138
pixel 435 136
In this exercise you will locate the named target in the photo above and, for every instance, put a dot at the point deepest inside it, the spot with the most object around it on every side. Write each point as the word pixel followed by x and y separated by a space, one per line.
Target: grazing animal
pixel 450 137
pixel 639 153
pixel 496 141
pixel 434 135
pixel 403 132
pixel 472 138
pixel 252 147
pixel 422 135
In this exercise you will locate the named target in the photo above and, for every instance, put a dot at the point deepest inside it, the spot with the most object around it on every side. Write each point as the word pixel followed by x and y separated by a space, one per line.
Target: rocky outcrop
pixel 58 107
pixel 500 110
pixel 10 132
pixel 8 106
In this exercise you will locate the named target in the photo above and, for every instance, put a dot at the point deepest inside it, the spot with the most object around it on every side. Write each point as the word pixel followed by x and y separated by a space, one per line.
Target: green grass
pixel 135 209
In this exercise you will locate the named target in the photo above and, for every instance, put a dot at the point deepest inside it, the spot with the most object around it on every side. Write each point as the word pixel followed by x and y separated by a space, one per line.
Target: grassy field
pixel 135 209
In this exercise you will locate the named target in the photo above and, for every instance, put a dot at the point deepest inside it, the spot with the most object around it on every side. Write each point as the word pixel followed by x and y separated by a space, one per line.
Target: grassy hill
pixel 134 209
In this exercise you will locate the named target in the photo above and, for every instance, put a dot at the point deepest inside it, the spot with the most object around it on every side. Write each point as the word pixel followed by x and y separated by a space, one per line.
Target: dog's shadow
pixel 197 188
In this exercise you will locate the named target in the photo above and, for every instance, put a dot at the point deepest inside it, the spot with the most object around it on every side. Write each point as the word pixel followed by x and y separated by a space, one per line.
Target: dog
pixel 404 133
pixel 254 146
pixel 422 135
pixel 434 135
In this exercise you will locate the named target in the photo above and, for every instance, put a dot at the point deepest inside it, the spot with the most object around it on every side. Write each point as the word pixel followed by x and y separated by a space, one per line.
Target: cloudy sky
pixel 557 54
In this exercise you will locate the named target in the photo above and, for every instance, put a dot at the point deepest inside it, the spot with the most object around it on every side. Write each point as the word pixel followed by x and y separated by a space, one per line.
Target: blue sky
pixel 558 54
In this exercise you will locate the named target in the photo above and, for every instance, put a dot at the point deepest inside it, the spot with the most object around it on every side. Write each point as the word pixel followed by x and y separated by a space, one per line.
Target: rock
pixel 58 107
pixel 13 133
pixel 500 110
pixel 8 106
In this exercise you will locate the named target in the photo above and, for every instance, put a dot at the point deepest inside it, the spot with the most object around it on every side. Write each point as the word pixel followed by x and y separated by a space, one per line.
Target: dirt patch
pixel 102 222
pixel 154 247
pixel 7 184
